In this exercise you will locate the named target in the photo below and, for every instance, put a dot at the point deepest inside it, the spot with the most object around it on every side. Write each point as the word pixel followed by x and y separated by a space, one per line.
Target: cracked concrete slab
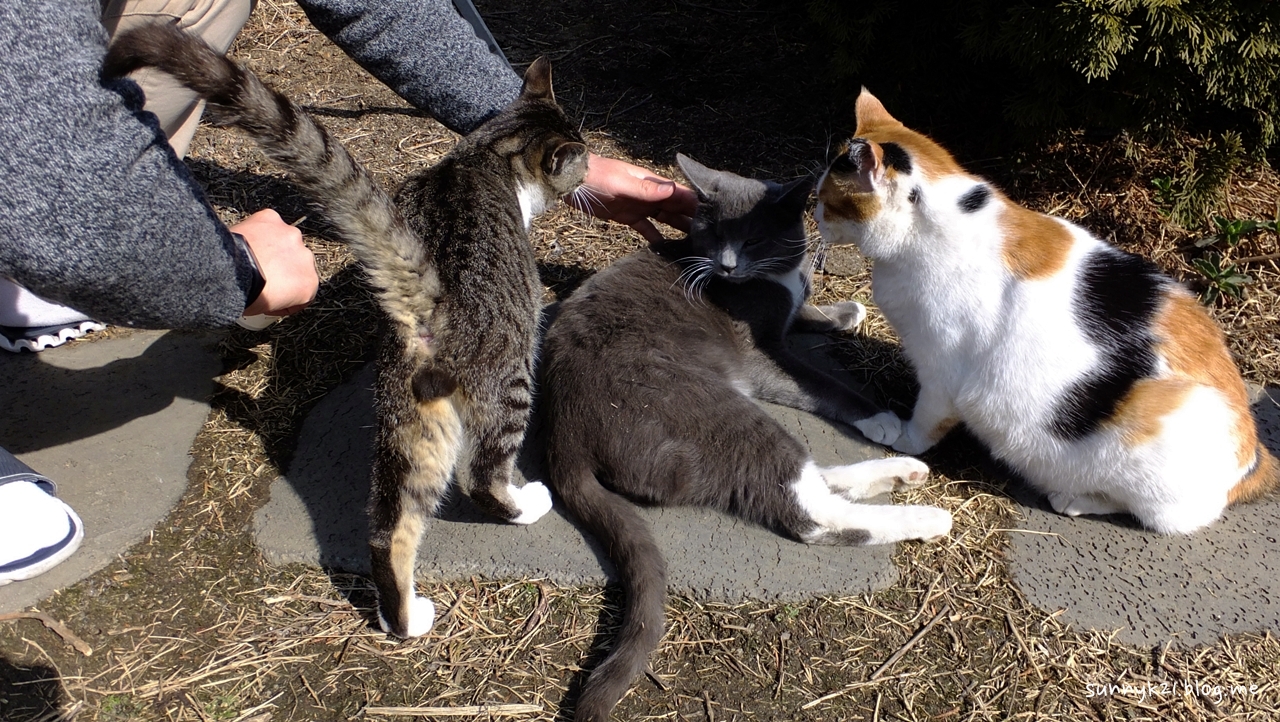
pixel 111 422
pixel 1107 574
pixel 316 516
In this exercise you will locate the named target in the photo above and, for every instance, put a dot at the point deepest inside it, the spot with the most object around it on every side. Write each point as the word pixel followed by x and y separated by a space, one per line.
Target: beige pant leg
pixel 217 22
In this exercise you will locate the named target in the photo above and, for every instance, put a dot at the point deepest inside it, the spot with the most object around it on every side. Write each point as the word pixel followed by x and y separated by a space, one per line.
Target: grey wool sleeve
pixel 424 51
pixel 96 211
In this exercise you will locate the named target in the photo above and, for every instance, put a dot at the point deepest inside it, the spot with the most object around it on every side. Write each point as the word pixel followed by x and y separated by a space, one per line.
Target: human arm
pixel 286 264
pixel 98 212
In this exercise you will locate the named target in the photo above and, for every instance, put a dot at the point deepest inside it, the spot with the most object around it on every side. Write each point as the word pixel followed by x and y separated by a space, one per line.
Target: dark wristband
pixel 256 282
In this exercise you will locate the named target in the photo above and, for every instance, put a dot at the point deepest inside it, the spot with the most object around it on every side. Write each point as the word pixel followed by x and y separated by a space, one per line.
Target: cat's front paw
pixel 845 316
pixel 422 614
pixel 1086 504
pixel 912 441
pixel 534 500
pixel 883 428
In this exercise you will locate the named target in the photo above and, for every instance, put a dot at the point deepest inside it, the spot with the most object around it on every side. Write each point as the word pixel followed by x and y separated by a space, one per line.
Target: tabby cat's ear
pixel 537 81
pixel 871 114
pixel 564 156
pixel 703 179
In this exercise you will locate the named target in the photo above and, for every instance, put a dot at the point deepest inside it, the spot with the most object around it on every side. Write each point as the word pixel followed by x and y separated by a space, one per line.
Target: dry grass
pixel 192 625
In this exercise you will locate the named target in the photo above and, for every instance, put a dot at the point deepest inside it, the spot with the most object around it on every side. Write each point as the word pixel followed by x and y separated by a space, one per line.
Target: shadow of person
pixel 29 693
pixel 64 395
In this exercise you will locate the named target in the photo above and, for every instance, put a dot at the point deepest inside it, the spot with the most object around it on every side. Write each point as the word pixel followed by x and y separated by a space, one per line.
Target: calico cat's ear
pixel 871 114
pixel 564 156
pixel 795 195
pixel 703 179
pixel 537 81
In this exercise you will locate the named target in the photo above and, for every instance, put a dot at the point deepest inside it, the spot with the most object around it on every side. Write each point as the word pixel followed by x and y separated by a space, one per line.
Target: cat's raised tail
pixel 627 540
pixel 363 214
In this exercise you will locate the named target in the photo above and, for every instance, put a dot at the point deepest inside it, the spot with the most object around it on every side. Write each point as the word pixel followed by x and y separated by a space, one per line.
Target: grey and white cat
pixel 651 374
pixel 454 274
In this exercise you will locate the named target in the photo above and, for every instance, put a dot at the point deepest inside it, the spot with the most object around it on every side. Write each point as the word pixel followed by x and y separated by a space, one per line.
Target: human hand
pixel 619 191
pixel 286 264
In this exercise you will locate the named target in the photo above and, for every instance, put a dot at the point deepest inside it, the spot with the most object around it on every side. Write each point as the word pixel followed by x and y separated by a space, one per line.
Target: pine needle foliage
pixel 1202 75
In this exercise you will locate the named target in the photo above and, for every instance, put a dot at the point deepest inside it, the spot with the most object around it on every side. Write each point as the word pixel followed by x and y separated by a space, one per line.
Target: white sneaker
pixel 30 323
pixel 37 529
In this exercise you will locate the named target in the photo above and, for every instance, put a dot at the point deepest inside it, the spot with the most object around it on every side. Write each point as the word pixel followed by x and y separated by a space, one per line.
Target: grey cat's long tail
pixel 363 213
pixel 630 546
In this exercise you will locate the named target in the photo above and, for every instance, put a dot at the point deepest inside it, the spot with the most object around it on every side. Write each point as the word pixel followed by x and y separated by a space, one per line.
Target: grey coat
pixel 96 212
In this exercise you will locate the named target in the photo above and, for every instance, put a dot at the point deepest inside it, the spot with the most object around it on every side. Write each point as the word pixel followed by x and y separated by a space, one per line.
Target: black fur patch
pixel 1115 299
pixel 896 158
pixel 844 164
pixel 431 383
pixel 974 199
pixel 914 196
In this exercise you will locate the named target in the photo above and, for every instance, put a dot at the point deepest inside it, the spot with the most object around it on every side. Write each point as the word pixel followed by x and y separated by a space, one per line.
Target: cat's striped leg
pixel 836 520
pixel 497 429
pixel 415 454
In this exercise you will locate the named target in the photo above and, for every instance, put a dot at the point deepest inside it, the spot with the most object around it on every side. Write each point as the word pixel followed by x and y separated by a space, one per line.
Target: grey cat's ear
pixel 795 195
pixel 704 180
pixel 564 156
pixel 537 80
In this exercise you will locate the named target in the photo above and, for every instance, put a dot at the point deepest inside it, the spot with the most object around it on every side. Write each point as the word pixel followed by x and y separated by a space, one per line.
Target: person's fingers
pixel 678 221
pixel 647 229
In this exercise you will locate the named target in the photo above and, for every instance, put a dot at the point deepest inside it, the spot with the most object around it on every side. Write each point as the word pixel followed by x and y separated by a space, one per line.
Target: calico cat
pixel 1100 380
pixel 651 373
pixel 455 277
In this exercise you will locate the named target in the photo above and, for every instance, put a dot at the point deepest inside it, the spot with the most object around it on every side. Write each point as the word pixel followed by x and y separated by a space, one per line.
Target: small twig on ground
pixel 54 626
pixel 911 642
pixel 491 710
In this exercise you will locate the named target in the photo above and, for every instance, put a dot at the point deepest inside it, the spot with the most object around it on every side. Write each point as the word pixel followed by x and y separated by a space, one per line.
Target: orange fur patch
pixel 1036 245
pixel 875 124
pixel 943 428
pixel 841 200
pixel 1140 412
pixel 1195 349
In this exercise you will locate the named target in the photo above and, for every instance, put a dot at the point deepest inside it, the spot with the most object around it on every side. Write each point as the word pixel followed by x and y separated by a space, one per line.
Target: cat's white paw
pixel 907 471
pixel 534 500
pixel 846 315
pixel 883 428
pixel 928 523
pixel 1069 505
pixel 422 614
pixel 911 441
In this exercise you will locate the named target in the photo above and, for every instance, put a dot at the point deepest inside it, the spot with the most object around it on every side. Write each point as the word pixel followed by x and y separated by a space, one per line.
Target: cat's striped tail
pixel 363 214
pixel 627 540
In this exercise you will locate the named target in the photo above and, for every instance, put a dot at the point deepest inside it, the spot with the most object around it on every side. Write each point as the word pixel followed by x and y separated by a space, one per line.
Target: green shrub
pixel 1204 75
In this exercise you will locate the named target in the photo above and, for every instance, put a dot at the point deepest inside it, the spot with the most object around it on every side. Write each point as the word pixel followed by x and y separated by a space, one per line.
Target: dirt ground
pixel 193 625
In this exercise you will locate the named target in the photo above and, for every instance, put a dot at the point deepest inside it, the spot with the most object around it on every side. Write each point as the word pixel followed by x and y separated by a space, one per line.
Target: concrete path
pixel 110 422
pixel 315 516
pixel 1108 575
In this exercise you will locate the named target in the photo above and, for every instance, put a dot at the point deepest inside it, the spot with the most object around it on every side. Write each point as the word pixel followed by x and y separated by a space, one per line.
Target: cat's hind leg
pixel 877 476
pixel 836 520
pixel 416 452
pixel 497 429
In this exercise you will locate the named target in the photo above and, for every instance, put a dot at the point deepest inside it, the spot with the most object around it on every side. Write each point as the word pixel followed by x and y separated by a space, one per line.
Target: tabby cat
pixel 652 370
pixel 454 274
pixel 1100 380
